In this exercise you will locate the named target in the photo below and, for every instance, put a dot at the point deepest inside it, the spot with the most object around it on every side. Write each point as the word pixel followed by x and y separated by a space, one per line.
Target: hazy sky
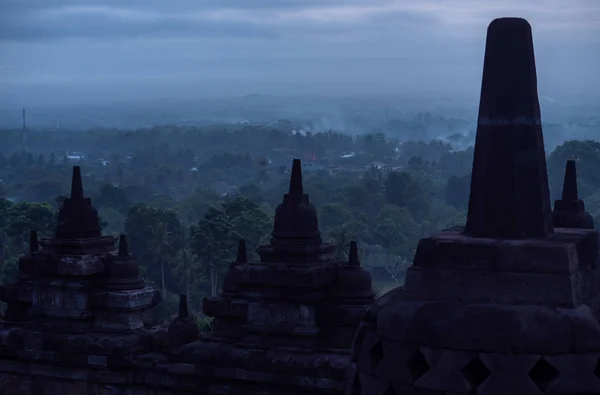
pixel 204 47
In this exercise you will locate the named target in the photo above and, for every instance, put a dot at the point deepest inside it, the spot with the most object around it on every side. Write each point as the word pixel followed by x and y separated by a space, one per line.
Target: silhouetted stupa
pixel 569 211
pixel 508 304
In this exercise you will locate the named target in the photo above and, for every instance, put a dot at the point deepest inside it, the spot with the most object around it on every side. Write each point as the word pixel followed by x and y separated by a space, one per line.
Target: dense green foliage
pixel 185 195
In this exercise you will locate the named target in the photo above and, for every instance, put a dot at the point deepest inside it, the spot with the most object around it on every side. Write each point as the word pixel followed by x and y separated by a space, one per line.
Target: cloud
pixel 285 45
pixel 108 22
pixel 54 19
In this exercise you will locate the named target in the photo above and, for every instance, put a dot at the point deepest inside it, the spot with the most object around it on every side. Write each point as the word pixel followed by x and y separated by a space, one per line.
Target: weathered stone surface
pixel 569 211
pixel 498 328
pixel 490 287
pixel 282 326
pixel 508 305
pixel 131 299
pixel 453 250
pixel 85 265
pixel 509 186
pixel 183 329
pixel 577 373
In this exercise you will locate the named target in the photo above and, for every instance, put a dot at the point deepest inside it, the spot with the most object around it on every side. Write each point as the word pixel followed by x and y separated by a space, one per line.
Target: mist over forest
pixel 184 114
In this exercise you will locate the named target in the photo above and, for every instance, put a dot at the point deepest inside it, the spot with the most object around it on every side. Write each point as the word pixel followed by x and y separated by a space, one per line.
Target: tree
pixel 193 207
pixel 333 215
pixel 403 190
pixel 44 191
pixel 587 155
pixel 249 220
pixel 113 221
pixel 163 250
pixel 252 192
pixel 185 270
pixel 456 163
pixel 396 230
pixel 113 197
pixel 355 195
pixel 24 217
pixel 341 237
pixel 415 163
pixel 16 222
pixel 155 235
pixel 372 181
pixel 457 191
pixel 428 151
pixel 214 241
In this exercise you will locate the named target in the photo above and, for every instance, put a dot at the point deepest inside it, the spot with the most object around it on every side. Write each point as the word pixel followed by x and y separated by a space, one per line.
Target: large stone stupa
pixel 508 304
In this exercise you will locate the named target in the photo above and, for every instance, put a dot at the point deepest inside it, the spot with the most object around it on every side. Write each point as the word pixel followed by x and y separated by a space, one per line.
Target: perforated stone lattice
pixel 389 391
pixel 417 365
pixel 597 369
pixel 376 353
pixel 476 373
pixel 543 374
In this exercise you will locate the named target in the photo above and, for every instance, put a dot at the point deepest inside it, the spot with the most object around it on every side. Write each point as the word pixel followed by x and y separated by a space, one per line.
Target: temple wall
pixel 19 378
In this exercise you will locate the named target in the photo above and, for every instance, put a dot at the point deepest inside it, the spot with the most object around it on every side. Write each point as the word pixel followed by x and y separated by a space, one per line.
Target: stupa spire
pixel 34 244
pixel 242 256
pixel 296 187
pixel 123 247
pixel 569 211
pixel 77 217
pixel 353 254
pixel 296 219
pixel 569 191
pixel 76 184
pixel 183 307
pixel 509 187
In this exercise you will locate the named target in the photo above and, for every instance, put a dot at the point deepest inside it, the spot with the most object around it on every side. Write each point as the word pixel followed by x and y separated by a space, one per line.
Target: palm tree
pixel 162 250
pixel 341 237
pixel 185 265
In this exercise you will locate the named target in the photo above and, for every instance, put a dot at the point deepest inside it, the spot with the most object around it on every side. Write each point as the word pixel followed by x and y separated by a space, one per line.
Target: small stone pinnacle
pixel 296 187
pixel 76 184
pixel 123 247
pixel 34 244
pixel 241 252
pixel 353 254
pixel 510 197
pixel 183 307
pixel 569 191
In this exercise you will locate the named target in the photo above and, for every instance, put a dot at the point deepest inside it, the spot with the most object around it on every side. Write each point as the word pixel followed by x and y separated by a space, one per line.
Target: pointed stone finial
pixel 569 191
pixel 510 196
pixel 123 247
pixel 34 244
pixel 183 307
pixel 509 85
pixel 296 219
pixel 296 187
pixel 183 329
pixel 353 254
pixel 569 211
pixel 77 218
pixel 76 184
pixel 241 257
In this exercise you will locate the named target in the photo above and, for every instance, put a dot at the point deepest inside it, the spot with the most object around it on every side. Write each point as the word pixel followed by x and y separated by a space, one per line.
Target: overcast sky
pixel 205 47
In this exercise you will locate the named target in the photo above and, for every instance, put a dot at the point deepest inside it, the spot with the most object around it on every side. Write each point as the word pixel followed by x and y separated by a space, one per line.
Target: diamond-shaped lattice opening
pixel 475 372
pixel 597 369
pixel 417 365
pixel 357 342
pixel 389 391
pixel 376 354
pixel 356 388
pixel 543 374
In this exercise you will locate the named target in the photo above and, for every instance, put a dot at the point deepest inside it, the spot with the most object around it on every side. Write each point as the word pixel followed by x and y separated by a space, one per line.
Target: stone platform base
pixel 396 368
